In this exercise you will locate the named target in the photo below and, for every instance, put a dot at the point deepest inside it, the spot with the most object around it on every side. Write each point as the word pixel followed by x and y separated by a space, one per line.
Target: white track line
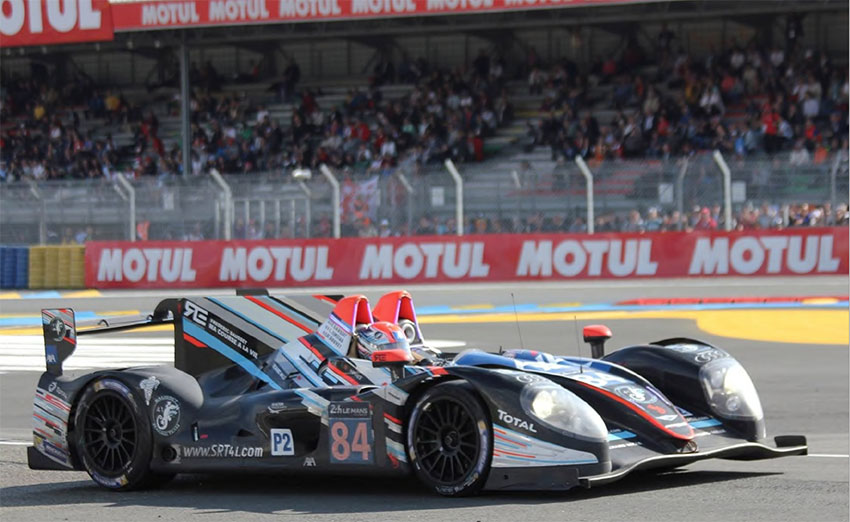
pixel 21 353
pixel 829 455
pixel 25 353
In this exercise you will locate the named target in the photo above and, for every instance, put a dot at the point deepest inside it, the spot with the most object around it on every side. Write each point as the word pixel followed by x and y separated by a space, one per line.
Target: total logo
pixel 516 422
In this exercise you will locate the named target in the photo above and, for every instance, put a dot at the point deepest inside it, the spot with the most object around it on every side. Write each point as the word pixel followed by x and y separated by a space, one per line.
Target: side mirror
pixel 382 358
pixel 596 335
pixel 395 359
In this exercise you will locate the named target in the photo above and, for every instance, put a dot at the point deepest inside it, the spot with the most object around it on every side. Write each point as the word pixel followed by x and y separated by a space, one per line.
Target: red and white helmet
pixel 380 335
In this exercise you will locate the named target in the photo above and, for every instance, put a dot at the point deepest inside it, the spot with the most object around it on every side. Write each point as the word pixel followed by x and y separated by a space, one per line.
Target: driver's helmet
pixel 380 335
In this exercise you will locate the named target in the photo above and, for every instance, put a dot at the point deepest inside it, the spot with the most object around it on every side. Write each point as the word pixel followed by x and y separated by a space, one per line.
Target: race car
pixel 326 384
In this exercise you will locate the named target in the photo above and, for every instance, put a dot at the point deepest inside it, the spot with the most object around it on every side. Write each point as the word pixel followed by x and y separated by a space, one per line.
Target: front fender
pixel 519 438
pixel 673 366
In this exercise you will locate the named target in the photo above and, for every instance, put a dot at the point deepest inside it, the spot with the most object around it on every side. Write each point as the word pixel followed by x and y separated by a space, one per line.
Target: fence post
pixel 335 202
pixel 833 173
pixel 308 208
pixel 131 196
pixel 458 195
pixel 42 218
pixel 588 178
pixel 228 203
pixel 409 189
pixel 680 186
pixel 727 189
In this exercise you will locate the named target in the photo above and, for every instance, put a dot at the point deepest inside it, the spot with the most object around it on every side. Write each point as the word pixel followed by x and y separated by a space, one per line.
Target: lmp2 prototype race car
pixel 264 383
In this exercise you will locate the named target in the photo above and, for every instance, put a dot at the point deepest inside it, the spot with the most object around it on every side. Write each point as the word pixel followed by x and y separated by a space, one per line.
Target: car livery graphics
pixel 275 383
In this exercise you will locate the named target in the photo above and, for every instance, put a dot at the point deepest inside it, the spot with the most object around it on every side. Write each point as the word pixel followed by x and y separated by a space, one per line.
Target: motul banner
pixel 329 262
pixel 44 22
pixel 170 14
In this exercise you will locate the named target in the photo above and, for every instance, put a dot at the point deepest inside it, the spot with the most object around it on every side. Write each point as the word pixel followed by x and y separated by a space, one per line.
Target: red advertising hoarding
pixel 170 14
pixel 46 22
pixel 442 259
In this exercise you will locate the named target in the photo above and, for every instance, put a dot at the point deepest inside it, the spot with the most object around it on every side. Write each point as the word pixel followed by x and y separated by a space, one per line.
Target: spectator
pixel 705 220
pixel 799 156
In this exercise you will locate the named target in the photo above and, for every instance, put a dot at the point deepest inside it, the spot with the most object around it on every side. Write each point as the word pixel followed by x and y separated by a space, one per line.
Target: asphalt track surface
pixel 803 387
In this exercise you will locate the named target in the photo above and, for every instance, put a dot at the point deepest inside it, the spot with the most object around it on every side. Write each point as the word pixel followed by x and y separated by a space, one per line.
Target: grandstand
pixel 642 92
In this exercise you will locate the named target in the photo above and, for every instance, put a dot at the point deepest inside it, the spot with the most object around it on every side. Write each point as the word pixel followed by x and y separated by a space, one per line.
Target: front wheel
pixel 112 434
pixel 450 440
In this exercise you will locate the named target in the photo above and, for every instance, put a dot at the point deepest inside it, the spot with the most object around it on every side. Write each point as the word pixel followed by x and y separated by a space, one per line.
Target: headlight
pixel 729 390
pixel 563 411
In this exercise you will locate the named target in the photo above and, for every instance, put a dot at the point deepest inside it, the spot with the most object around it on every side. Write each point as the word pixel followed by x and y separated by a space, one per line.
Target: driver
pixel 380 335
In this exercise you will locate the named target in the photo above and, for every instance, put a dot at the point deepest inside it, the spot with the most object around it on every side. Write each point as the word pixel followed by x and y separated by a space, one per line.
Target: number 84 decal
pixel 351 441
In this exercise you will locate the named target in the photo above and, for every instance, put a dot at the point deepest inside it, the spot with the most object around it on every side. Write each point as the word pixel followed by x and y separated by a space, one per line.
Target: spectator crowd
pixel 748 100
pixel 641 101
pixel 447 114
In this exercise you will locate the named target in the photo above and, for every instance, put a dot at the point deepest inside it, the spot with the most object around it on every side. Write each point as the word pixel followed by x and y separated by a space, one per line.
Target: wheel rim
pixel 109 434
pixel 446 441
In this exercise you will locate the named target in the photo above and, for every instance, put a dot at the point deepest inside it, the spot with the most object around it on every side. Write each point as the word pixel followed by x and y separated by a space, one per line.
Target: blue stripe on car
pixel 198 333
pixel 246 319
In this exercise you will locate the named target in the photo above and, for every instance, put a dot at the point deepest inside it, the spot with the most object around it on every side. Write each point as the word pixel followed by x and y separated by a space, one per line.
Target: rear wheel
pixel 112 434
pixel 449 440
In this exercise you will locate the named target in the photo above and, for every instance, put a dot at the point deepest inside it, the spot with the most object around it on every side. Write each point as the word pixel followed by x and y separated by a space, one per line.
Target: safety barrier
pixel 38 267
pixel 438 259
pixel 442 259
pixel 14 267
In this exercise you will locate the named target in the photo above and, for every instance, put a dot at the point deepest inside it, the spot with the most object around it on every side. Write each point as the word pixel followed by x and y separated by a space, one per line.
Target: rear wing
pixel 60 330
pixel 209 332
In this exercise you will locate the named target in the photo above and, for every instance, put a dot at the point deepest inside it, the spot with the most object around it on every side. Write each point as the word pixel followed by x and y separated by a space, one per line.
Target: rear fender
pixel 57 397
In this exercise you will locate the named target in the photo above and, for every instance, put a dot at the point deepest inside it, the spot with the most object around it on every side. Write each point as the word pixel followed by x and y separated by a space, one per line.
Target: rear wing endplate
pixel 60 330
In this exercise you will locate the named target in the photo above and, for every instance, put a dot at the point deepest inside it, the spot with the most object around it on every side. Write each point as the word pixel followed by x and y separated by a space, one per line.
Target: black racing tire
pixel 450 440
pixel 113 439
